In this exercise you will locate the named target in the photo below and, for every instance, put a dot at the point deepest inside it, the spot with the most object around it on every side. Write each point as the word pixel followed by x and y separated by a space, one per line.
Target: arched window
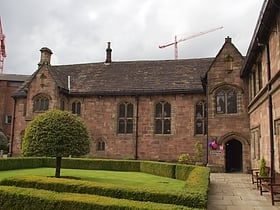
pixel 125 118
pixel 76 107
pixel 100 145
pixel 226 102
pixel 200 118
pixel 163 118
pixel 41 103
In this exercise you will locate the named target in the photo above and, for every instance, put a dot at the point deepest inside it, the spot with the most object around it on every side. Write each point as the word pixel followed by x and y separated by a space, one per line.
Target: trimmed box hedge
pixel 86 187
pixel 196 177
pixel 32 199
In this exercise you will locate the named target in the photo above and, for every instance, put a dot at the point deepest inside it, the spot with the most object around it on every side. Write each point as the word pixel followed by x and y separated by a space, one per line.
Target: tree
pixel 4 142
pixel 56 133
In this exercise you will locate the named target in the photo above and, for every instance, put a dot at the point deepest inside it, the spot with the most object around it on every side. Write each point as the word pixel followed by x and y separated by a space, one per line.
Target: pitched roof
pixel 14 77
pixel 134 77
pixel 265 22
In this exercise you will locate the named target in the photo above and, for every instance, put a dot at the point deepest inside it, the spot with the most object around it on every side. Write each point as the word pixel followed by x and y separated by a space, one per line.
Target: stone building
pixel 262 72
pixel 151 110
pixel 9 83
pixel 157 110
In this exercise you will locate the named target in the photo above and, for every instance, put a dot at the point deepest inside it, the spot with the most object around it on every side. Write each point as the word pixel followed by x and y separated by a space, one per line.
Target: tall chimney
pixel 108 53
pixel 45 56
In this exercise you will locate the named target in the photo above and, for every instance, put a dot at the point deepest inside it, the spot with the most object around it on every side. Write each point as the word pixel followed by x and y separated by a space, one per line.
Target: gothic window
pixel 76 107
pixel 220 102
pixel 200 118
pixel 255 143
pixel 125 118
pixel 100 145
pixel 163 118
pixel 226 102
pixel 41 102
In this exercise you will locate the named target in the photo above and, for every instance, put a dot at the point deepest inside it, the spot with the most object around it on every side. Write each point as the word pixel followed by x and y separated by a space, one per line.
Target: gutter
pixel 270 113
pixel 137 130
pixel 12 130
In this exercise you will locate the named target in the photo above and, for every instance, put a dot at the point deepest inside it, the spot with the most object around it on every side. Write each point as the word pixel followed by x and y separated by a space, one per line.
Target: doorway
pixel 233 156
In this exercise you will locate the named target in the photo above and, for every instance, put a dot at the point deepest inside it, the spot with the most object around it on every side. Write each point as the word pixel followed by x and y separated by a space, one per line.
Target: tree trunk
pixel 58 166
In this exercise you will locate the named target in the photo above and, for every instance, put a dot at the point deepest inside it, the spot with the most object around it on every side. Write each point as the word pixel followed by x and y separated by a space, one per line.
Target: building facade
pixel 9 83
pixel 158 110
pixel 151 110
pixel 262 71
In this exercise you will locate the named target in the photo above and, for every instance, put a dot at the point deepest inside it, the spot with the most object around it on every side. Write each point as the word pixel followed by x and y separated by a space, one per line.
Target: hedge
pixel 20 163
pixel 17 198
pixel 87 187
pixel 196 186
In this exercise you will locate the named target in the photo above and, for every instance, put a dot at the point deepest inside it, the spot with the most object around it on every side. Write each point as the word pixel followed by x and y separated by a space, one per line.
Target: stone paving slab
pixel 234 191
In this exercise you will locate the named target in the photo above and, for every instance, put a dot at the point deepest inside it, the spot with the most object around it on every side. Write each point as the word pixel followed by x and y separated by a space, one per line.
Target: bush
pixel 184 159
pixel 160 169
pixel 183 171
pixel 21 198
pixel 4 143
pixel 20 163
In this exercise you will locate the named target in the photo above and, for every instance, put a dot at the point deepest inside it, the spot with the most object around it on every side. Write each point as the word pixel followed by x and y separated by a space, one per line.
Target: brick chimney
pixel 108 53
pixel 45 56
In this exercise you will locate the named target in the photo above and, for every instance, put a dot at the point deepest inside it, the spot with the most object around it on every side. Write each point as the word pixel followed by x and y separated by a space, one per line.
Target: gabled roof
pixel 261 34
pixel 130 78
pixel 14 77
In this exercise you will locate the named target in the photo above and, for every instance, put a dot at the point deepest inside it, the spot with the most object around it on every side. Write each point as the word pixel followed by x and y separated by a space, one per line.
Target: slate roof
pixel 130 77
pixel 268 15
pixel 13 77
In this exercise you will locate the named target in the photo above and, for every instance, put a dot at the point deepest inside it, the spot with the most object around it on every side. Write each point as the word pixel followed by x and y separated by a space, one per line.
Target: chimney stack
pixel 108 53
pixel 45 56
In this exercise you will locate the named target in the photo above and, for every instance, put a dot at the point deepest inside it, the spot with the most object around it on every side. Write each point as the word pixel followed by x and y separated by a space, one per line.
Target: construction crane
pixel 2 48
pixel 175 43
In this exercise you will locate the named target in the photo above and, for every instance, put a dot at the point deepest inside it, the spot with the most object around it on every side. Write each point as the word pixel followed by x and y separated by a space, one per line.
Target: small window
pixel 125 118
pixel 8 119
pixel 100 146
pixel 232 102
pixel 76 107
pixel 163 118
pixel 41 103
pixel 200 118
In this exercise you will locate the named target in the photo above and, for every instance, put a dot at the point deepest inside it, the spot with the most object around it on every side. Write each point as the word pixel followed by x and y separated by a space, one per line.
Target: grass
pixel 124 179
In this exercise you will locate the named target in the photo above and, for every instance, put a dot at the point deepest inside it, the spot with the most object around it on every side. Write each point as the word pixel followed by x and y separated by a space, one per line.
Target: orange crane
pixel 2 48
pixel 175 43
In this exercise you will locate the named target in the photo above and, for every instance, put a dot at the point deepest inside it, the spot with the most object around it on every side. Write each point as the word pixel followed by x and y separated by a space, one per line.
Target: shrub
pixel 184 159
pixel 21 198
pixel 157 168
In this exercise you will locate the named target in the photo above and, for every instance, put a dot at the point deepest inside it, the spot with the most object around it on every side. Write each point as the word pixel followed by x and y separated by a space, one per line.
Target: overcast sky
pixel 78 31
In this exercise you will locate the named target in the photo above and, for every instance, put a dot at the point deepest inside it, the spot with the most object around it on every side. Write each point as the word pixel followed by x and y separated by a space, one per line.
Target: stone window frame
pixel 256 78
pixel 163 112
pixel 100 145
pixel 255 143
pixel 76 107
pixel 223 92
pixel 125 121
pixel 201 118
pixel 41 102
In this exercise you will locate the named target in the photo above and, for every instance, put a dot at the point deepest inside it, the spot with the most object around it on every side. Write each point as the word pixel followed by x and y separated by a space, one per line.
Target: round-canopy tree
pixel 56 133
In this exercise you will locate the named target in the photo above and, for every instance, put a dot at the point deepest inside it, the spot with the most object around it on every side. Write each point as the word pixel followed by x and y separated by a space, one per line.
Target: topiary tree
pixel 4 142
pixel 57 134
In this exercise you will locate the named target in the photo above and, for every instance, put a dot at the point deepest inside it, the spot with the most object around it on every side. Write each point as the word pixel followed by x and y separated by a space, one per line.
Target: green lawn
pixel 124 179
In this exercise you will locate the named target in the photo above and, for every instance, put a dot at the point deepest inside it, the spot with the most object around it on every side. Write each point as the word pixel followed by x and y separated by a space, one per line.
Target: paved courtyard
pixel 234 191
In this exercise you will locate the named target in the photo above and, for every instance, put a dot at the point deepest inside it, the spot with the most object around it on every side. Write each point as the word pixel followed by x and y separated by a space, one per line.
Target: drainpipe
pixel 270 113
pixel 136 129
pixel 12 130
